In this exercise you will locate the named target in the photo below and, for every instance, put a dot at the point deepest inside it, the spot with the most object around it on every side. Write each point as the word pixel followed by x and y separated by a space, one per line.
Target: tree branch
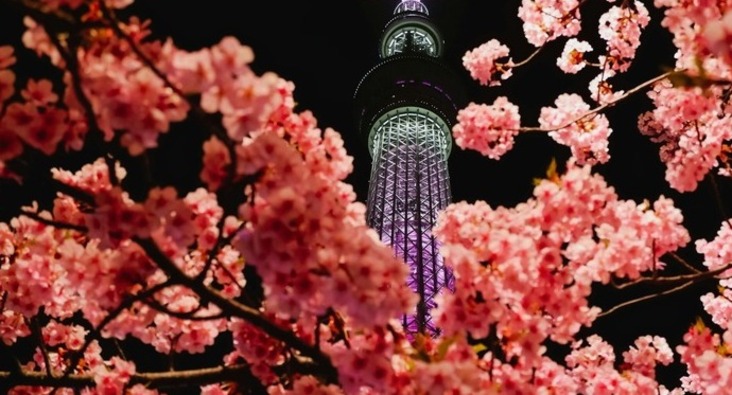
pixel 698 276
pixel 683 262
pixel 644 298
pixel 717 195
pixel 74 68
pixel 600 108
pixel 528 58
pixel 233 308
pixel 154 304
pixel 195 377
pixel 56 224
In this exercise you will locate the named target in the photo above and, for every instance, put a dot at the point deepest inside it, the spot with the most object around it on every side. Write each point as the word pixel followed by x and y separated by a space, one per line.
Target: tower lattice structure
pixel 406 106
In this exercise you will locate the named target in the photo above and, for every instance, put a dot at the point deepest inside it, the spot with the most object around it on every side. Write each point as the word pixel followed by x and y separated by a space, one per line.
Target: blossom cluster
pixel 489 130
pixel 692 130
pixel 488 63
pixel 572 125
pixel 311 248
pixel 524 274
pixel 545 20
pixel 621 28
pixel 707 359
pixel 572 58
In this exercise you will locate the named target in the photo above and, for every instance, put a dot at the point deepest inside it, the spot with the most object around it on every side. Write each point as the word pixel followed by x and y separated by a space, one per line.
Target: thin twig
pixel 717 195
pixel 644 298
pixel 528 58
pixel 675 279
pixel 600 108
pixel 74 68
pixel 683 262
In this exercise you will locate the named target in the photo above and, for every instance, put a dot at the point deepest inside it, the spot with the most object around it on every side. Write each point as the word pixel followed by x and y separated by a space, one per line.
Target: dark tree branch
pixel 196 377
pixel 56 224
pixel 190 316
pixel 670 280
pixel 96 333
pixel 644 298
pixel 601 108
pixel 233 308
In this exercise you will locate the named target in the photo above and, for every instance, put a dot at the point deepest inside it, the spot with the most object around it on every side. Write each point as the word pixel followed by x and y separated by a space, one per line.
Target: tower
pixel 405 109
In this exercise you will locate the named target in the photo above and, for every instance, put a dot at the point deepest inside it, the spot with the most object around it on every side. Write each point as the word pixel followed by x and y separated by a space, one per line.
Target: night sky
pixel 326 46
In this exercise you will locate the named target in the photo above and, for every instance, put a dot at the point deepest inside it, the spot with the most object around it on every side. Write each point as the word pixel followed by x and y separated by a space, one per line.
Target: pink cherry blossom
pixel 296 206
pixel 306 385
pixel 36 38
pixel 39 93
pixel 646 353
pixel 572 58
pixel 708 369
pixel 55 4
pixel 540 255
pixel 717 253
pixel 719 306
pixel 309 283
pixel 12 327
pixel 216 158
pixel 717 36
pixel 489 130
pixel 113 379
pixel 545 20
pixel 488 63
pixel 691 130
pixel 586 135
pixel 601 90
pixel 621 28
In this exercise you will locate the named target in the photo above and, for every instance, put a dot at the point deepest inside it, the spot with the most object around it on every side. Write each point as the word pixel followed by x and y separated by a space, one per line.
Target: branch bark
pixel 195 377
pixel 233 308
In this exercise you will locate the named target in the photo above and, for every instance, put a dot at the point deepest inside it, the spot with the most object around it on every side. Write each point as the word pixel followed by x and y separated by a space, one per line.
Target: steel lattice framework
pixel 409 185
pixel 405 107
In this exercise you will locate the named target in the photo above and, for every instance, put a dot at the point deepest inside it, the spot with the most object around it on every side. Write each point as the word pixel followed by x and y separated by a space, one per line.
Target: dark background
pixel 326 46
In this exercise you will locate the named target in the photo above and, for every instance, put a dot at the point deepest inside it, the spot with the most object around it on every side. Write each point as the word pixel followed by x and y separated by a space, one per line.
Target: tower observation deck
pixel 405 109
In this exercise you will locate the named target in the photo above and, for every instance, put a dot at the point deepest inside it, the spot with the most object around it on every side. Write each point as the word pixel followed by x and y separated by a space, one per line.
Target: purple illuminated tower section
pixel 405 107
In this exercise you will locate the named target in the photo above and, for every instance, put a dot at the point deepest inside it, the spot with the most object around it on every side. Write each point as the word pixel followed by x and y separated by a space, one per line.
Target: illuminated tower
pixel 406 106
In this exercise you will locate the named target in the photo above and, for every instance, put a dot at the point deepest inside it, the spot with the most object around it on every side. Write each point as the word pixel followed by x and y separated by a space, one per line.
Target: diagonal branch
pixel 189 378
pixel 698 276
pixel 601 108
pixel 646 297
pixel 190 316
pixel 56 224
pixel 233 308
pixel 74 68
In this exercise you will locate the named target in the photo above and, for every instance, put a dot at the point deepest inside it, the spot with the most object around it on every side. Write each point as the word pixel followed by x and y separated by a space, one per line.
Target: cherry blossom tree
pixel 262 276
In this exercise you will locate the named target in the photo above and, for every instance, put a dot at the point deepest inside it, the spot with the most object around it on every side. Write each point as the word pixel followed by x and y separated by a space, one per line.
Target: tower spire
pixel 406 106
pixel 411 6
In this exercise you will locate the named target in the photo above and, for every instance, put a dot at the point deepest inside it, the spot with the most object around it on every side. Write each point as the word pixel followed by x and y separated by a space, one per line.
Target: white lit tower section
pixel 406 106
